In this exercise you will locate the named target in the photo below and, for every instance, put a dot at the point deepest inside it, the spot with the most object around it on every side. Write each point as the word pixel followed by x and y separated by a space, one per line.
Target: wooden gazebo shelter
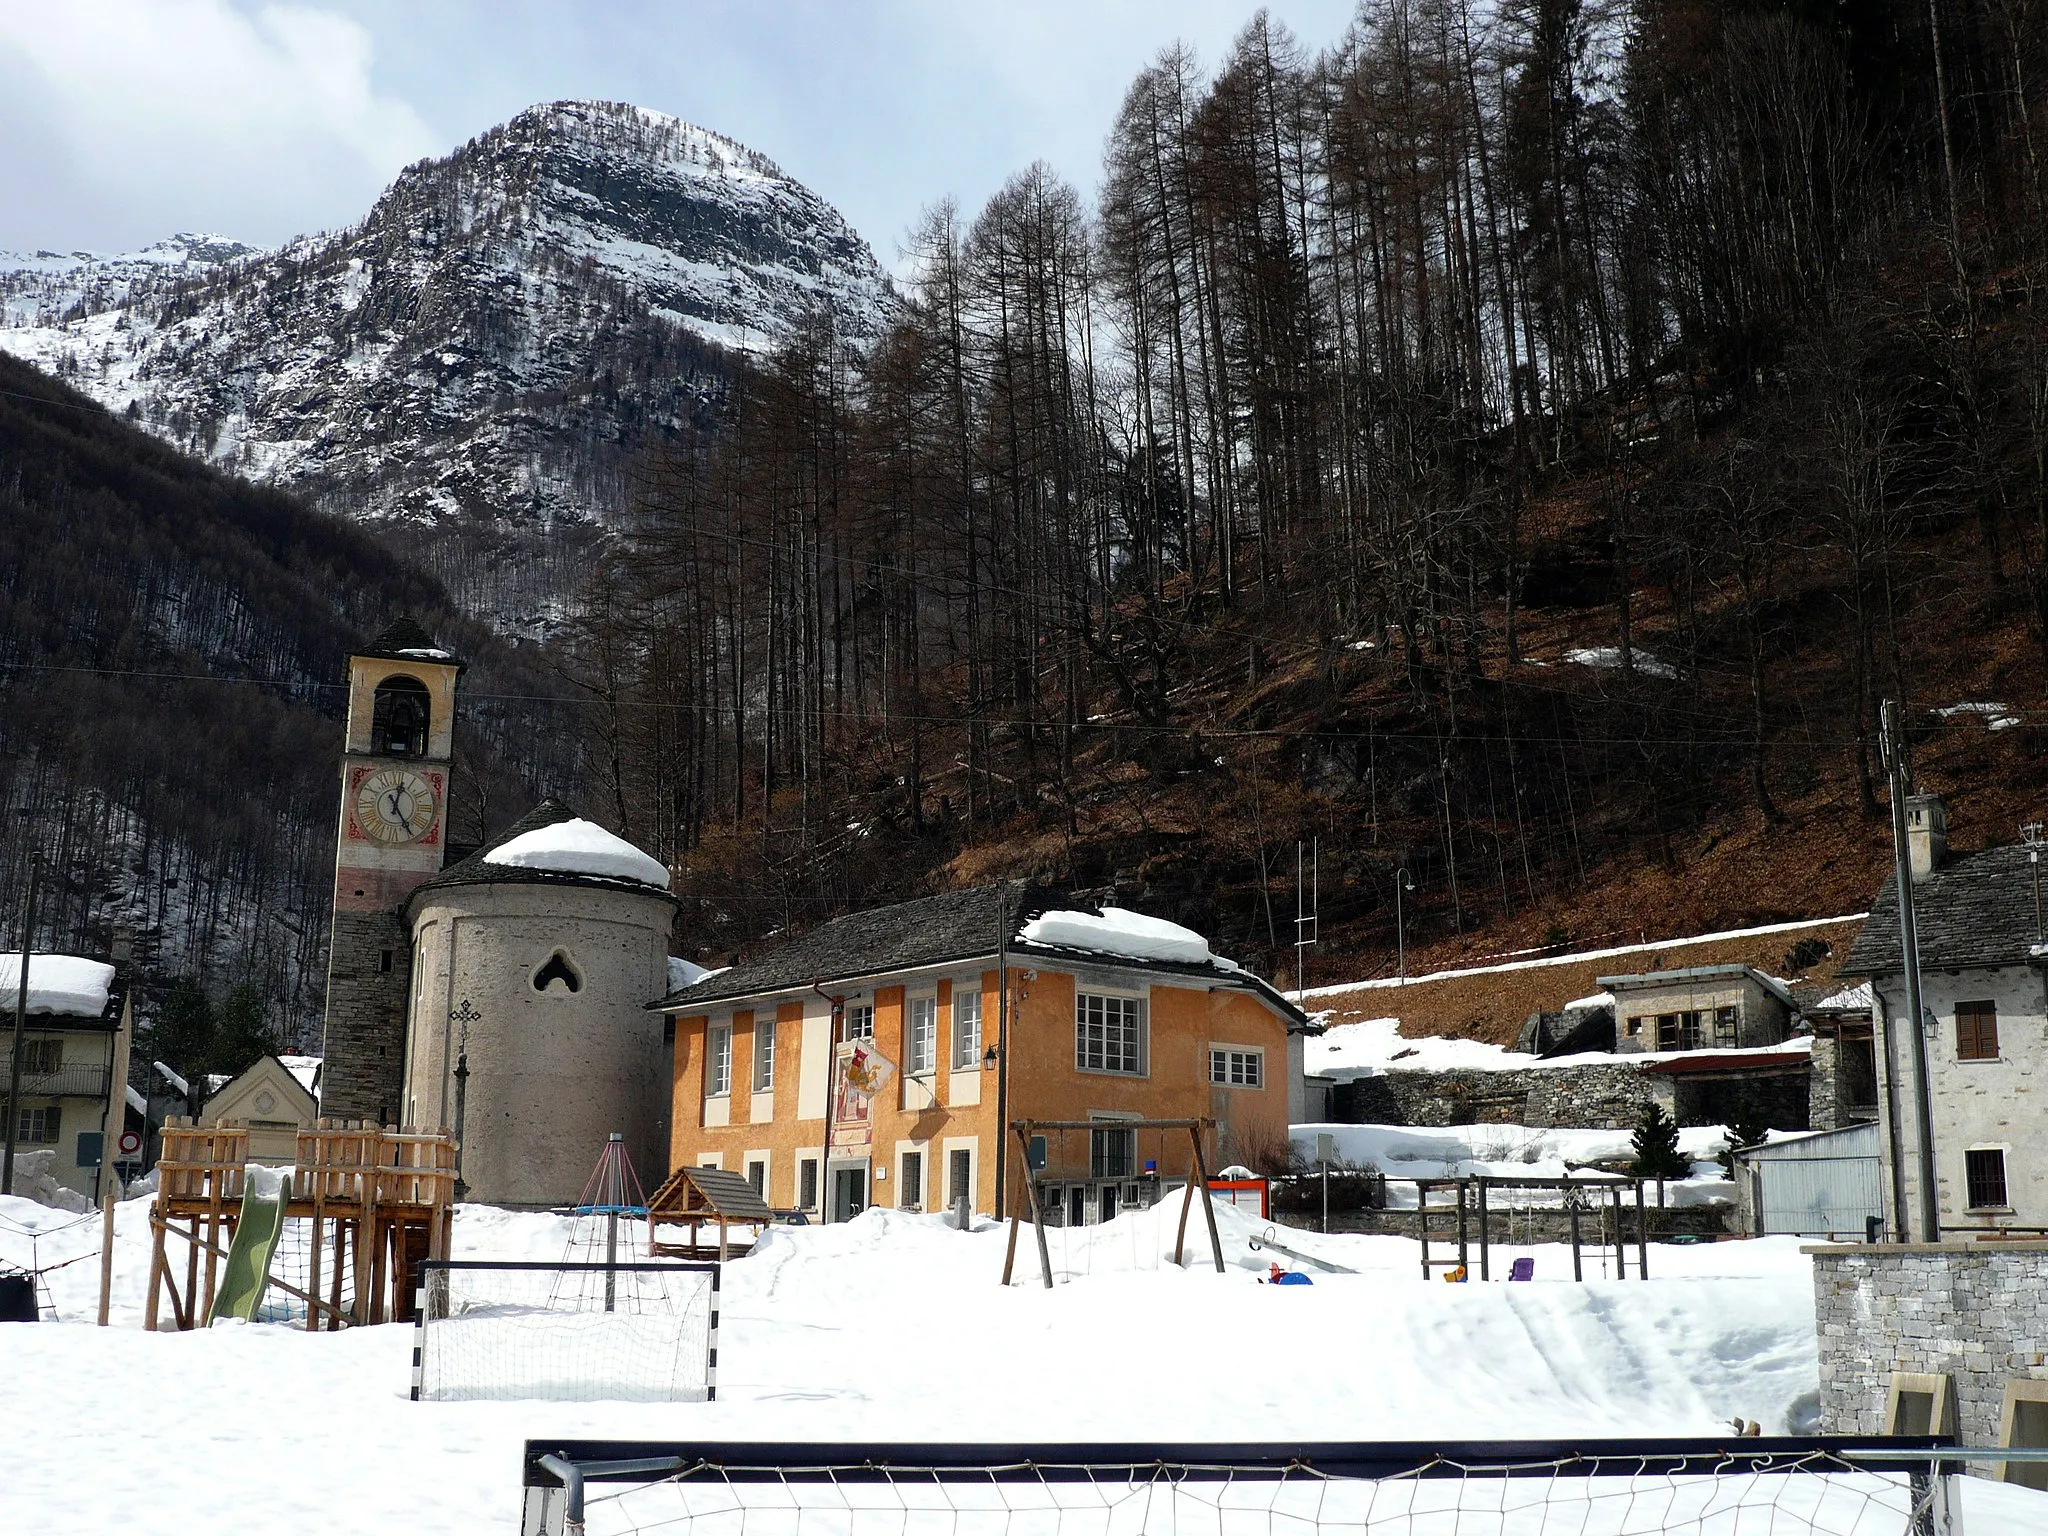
pixel 697 1197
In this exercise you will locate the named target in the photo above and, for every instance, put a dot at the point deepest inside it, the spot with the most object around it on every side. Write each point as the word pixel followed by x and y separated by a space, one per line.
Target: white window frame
pixel 966 1029
pixel 921 1035
pixel 764 1055
pixel 766 1161
pixel 859 1022
pixel 1232 1059
pixel 718 1062
pixel 1141 1054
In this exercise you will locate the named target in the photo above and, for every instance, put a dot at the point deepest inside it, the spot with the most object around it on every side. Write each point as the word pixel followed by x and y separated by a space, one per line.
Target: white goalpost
pixel 1739 1487
pixel 504 1329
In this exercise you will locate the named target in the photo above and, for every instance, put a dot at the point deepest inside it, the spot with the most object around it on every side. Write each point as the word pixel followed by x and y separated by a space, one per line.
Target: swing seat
pixel 1523 1268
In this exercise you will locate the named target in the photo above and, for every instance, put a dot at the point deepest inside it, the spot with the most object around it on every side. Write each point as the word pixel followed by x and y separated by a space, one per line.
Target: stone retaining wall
pixel 1977 1314
pixel 1600 1096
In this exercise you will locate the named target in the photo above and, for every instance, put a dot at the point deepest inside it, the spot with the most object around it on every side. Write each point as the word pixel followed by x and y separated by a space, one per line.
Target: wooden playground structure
pixel 1198 1178
pixel 701 1197
pixel 380 1201
pixel 1464 1204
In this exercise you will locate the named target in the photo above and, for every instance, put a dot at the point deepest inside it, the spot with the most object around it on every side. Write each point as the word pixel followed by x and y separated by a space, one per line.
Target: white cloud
pixel 176 114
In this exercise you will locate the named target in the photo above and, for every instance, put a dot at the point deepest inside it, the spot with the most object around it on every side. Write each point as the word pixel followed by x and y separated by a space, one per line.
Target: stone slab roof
pixel 404 640
pixel 1977 909
pixel 477 870
pixel 946 929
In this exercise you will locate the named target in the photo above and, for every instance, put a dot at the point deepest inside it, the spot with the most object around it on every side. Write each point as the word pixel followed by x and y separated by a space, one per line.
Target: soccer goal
pixel 1738 1487
pixel 503 1329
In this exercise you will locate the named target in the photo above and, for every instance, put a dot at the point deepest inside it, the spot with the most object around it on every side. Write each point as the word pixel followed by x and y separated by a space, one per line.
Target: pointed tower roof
pixel 404 640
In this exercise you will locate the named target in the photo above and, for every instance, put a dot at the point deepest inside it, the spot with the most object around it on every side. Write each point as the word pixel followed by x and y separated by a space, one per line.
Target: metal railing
pixel 66 1082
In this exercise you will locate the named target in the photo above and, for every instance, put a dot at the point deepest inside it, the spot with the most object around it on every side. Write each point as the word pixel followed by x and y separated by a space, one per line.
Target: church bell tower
pixel 393 836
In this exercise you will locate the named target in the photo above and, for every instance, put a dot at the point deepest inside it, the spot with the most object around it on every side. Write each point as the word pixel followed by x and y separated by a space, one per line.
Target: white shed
pixel 1825 1184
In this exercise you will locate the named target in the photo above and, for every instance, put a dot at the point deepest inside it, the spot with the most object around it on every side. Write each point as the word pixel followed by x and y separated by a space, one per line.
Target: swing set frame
pixel 1024 1130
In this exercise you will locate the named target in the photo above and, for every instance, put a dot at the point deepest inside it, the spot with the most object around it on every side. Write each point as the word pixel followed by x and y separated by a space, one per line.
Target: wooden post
pixel 191 1272
pixel 1642 1236
pixel 1010 1253
pixel 1464 1236
pixel 106 1246
pixel 157 1271
pixel 1037 1215
pixel 340 1259
pixel 216 1176
pixel 1180 1236
pixel 1485 1237
pixel 1572 1210
pixel 1422 1221
pixel 366 1229
pixel 1613 1208
pixel 1208 1204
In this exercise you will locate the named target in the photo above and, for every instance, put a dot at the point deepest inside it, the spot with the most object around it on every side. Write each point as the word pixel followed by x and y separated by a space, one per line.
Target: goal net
pixel 491 1329
pixel 1634 1488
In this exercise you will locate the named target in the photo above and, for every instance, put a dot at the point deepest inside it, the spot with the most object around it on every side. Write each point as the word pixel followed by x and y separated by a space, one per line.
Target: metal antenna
pixel 1307 907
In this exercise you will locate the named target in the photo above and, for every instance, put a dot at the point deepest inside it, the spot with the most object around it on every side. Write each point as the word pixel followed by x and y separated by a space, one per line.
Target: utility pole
pixel 28 933
pixel 1893 738
pixel 1401 883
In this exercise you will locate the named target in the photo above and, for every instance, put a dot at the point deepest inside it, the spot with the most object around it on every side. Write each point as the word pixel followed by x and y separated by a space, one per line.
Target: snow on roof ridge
pixel 63 984
pixel 577 846
pixel 1119 931
pixel 1577 956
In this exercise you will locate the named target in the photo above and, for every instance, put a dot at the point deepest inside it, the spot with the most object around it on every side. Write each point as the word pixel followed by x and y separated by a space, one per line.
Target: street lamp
pixel 1402 883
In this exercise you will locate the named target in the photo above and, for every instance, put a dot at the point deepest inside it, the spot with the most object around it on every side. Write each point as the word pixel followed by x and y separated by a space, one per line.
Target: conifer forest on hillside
pixel 1518 446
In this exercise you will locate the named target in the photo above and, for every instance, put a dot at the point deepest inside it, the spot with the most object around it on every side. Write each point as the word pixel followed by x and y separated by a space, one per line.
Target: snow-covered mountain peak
pixel 486 351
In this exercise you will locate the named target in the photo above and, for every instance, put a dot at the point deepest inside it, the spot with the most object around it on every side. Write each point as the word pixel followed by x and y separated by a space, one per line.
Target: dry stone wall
pixel 1978 1315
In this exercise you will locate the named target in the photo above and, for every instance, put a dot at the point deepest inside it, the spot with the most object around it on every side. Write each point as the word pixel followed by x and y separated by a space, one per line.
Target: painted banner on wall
pixel 859 1072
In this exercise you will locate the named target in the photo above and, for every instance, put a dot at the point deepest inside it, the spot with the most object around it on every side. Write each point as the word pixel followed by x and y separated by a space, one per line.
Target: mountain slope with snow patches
pixel 481 358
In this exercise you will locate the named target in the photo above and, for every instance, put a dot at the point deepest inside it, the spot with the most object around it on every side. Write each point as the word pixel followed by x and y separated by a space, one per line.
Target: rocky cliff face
pixel 478 363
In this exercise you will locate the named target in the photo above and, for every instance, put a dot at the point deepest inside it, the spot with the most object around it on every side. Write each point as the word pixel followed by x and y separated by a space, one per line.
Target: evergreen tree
pixel 1656 1147
pixel 182 1034
pixel 242 1035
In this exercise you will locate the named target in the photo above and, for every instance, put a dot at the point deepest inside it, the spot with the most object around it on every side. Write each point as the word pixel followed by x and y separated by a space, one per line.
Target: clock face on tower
pixel 395 805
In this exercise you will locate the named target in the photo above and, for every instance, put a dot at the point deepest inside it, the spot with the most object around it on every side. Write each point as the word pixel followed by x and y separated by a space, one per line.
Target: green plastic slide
pixel 265 1194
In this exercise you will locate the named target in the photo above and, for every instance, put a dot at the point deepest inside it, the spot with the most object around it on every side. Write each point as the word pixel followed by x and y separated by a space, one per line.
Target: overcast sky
pixel 122 121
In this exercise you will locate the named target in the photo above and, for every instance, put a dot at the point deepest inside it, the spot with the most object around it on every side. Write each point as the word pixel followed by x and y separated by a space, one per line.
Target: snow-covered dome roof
pixel 579 847
pixel 552 845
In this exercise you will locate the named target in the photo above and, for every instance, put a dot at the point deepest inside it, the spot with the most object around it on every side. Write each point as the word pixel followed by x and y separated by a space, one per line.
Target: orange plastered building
pixel 985 1007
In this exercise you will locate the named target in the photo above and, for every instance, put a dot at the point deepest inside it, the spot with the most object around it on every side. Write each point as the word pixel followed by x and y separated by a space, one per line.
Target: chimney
pixel 1926 835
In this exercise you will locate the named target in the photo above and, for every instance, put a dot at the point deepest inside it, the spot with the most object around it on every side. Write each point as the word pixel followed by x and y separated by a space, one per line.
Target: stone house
pixel 994 1004
pixel 1984 1033
pixel 1844 1081
pixel 72 1017
pixel 1700 1007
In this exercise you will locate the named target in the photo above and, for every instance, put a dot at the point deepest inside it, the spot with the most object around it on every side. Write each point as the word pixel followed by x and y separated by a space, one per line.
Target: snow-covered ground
pixel 1520 1151
pixel 894 1327
pixel 1377 1045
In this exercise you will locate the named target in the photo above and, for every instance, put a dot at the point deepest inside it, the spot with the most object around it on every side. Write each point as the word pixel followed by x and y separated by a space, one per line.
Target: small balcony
pixel 68 1082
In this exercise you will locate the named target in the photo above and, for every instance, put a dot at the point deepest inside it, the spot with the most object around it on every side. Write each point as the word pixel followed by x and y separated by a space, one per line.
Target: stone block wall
pixel 1976 1313
pixel 363 1075
pixel 1598 1096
